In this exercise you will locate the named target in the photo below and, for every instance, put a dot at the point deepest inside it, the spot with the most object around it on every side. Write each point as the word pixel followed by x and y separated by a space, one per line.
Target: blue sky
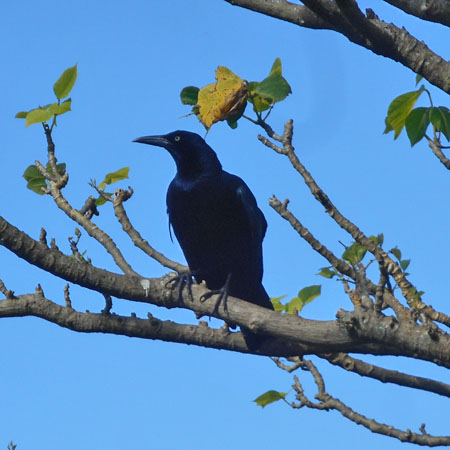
pixel 72 391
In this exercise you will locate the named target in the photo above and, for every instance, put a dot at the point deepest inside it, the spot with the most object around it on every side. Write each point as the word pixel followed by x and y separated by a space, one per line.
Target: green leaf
pixel 396 252
pixel 305 296
pixel 35 180
pixel 355 253
pixel 101 201
pixel 404 263
pixel 274 88
pixel 269 397
pixel 327 272
pixel 21 115
pixel 417 123
pixel 377 240
pixel 31 172
pixel 232 124
pixel 277 305
pixel 387 125
pixel 418 79
pixel 65 82
pixel 36 185
pixel 189 95
pixel 57 109
pixel 399 110
pixel 413 292
pixel 276 67
pixel 52 108
pixel 64 107
pixel 38 115
pixel 440 118
pixel 112 177
pixel 61 168
pixel 260 104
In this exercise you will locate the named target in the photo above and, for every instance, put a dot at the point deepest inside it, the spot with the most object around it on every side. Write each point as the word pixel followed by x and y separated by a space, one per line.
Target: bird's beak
pixel 159 141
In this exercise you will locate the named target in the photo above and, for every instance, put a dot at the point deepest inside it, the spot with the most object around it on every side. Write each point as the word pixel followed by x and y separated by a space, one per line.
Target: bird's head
pixel 192 155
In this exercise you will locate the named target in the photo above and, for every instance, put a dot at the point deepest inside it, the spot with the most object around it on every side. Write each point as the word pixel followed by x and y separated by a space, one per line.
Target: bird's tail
pixel 262 298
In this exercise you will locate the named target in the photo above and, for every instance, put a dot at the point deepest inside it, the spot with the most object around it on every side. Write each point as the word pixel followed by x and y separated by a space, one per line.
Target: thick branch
pixel 290 12
pixel 384 39
pixel 152 328
pixel 434 11
pixel 357 332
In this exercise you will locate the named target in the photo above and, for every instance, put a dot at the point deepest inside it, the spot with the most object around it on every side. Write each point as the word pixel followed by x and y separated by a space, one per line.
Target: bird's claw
pixel 183 280
pixel 222 296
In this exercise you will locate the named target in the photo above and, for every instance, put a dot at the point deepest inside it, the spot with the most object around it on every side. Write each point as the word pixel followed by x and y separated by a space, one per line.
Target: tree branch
pixel 120 196
pixel 434 11
pixel 152 328
pixel 327 402
pixel 290 12
pixel 355 332
pixel 56 183
pixel 407 288
pixel 437 150
pixel 283 211
pixel 380 37
pixel 385 375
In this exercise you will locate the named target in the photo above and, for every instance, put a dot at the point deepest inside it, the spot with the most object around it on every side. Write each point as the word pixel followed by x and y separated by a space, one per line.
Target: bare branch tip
pixel 39 291
pixel 108 305
pixel 43 237
pixel 6 292
pixel 67 296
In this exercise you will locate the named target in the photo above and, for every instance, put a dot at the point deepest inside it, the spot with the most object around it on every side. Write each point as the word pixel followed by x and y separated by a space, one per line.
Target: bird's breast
pixel 205 210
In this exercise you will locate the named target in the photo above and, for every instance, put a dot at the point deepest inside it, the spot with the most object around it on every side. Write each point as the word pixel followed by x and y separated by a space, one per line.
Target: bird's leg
pixel 223 295
pixel 183 279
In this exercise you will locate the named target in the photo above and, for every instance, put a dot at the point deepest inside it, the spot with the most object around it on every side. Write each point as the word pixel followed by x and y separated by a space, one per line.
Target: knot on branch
pixel 89 209
pixel 122 195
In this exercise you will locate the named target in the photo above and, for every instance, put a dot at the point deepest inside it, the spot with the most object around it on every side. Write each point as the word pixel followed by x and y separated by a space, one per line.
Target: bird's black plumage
pixel 215 218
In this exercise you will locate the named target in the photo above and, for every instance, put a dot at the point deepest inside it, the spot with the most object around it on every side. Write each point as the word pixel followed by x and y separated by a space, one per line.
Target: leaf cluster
pixel 36 181
pixel 227 98
pixel 402 114
pixel 110 178
pixel 304 296
pixel 61 88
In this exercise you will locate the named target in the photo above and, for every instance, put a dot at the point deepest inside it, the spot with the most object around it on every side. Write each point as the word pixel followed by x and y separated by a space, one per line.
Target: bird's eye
pixel 177 138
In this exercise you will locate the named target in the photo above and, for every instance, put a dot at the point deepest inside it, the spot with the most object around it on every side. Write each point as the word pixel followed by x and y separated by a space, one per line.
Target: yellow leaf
pixel 225 99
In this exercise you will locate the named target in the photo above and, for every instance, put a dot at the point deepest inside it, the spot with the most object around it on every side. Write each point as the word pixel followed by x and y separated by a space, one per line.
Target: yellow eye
pixel 177 138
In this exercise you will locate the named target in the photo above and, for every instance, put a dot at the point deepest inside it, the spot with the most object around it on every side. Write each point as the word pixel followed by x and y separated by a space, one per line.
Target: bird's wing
pixel 255 217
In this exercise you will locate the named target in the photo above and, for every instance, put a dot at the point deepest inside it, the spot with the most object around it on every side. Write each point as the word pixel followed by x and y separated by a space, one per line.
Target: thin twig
pixel 282 209
pixel 326 402
pixel 436 148
pixel 6 292
pixel 67 296
pixel 408 290
pixel 386 375
pixel 120 196
pixel 56 183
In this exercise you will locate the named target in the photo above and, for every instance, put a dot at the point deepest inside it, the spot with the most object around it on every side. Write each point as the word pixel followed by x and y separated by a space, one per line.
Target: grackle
pixel 215 218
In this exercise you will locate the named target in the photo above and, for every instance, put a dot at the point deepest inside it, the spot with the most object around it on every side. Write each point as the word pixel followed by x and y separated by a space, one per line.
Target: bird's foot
pixel 222 295
pixel 183 280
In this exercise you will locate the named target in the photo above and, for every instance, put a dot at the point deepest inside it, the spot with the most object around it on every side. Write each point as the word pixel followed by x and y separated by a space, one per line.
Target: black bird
pixel 215 218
